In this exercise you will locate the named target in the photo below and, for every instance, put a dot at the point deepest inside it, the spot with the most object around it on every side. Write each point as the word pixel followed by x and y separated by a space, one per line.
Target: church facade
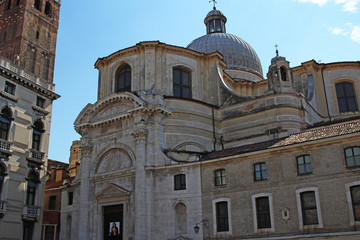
pixel 194 143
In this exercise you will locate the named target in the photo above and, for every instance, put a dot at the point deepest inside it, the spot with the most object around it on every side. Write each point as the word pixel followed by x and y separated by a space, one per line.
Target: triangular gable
pixel 112 190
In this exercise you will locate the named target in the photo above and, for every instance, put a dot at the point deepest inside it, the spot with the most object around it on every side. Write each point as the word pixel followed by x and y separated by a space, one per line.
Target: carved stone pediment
pixel 113 108
pixel 114 160
pixel 111 191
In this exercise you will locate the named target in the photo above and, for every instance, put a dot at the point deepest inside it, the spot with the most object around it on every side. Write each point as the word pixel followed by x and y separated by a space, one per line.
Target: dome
pixel 237 53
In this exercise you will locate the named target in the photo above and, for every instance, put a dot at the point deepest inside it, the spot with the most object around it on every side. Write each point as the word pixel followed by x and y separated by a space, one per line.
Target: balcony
pixel 31 213
pixel 5 147
pixel 2 208
pixel 35 156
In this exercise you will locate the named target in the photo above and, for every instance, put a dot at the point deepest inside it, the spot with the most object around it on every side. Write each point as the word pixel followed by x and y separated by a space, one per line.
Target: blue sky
pixel 323 30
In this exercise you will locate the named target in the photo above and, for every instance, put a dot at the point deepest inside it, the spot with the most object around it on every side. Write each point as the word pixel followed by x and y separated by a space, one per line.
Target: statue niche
pixel 114 160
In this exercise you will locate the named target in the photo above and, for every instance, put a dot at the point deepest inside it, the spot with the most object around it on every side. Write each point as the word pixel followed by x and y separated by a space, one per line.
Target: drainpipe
pixel 213 123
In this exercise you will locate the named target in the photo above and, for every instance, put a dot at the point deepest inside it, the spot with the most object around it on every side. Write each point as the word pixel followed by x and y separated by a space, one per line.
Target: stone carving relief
pixel 113 110
pixel 114 160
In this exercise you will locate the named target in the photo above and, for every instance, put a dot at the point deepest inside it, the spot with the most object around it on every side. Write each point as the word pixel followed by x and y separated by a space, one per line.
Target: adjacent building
pixel 28 30
pixel 58 174
pixel 195 143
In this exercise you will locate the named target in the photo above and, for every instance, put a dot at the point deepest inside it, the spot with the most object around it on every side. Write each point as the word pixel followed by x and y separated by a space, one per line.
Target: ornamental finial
pixel 214 1
pixel 277 51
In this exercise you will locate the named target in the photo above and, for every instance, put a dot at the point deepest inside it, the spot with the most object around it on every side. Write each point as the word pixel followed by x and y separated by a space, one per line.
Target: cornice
pixel 25 79
pixel 142 46
pixel 333 65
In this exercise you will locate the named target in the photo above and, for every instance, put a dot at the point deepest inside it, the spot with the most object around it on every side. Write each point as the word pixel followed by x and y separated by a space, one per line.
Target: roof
pixel 312 134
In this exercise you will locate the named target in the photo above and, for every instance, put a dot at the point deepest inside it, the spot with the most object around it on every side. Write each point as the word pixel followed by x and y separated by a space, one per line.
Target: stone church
pixel 196 143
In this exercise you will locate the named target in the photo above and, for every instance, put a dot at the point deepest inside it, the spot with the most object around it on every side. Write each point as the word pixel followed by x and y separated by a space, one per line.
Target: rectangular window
pixel 180 182
pixel 263 213
pixel 9 88
pixel 1 183
pixel 181 83
pixel 308 207
pixel 355 200
pixel 220 177
pixel 346 97
pixel 304 165
pixel 4 127
pixel 30 194
pixel 40 102
pixel 28 230
pixel 49 233
pixel 222 220
pixel 52 203
pixel 352 156
pixel 260 172
pixel 70 198
pixel 36 140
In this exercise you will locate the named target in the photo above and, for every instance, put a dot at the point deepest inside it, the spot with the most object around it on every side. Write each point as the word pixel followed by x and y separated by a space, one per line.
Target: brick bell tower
pixel 28 31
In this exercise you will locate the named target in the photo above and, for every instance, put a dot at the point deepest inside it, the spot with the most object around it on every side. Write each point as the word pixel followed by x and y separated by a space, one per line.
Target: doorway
pixel 113 222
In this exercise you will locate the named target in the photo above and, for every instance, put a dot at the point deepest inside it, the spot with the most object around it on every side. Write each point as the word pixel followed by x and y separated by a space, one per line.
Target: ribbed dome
pixel 237 53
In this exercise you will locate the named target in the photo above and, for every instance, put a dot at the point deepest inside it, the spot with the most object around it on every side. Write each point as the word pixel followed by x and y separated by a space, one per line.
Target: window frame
pixel 38 130
pixel 10 88
pixel 3 174
pixel 348 187
pixel 181 85
pixel 263 176
pixel 346 98
pixel 48 9
pixel 220 180
pixel 254 197
pixel 215 225
pixel 300 209
pixel 8 6
pixel 123 75
pixel 5 123
pixel 52 203
pixel 353 156
pixel 37 4
pixel 306 165
pixel 70 198
pixel 28 230
pixel 49 225
pixel 40 102
pixel 179 182
pixel 31 192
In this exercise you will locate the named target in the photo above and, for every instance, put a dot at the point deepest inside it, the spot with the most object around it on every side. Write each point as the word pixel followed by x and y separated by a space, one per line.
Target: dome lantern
pixel 215 22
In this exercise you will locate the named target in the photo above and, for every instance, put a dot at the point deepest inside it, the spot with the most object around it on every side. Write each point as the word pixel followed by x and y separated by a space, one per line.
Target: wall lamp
pixel 204 222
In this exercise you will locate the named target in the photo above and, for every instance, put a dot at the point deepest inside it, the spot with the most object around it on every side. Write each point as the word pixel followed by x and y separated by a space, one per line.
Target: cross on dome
pixel 214 1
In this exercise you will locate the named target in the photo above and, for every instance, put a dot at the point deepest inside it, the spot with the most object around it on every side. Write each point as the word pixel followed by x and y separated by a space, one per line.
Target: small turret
pixel 279 75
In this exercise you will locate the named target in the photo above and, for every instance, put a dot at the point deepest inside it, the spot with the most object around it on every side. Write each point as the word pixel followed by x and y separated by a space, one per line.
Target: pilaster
pixel 140 135
pixel 86 150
